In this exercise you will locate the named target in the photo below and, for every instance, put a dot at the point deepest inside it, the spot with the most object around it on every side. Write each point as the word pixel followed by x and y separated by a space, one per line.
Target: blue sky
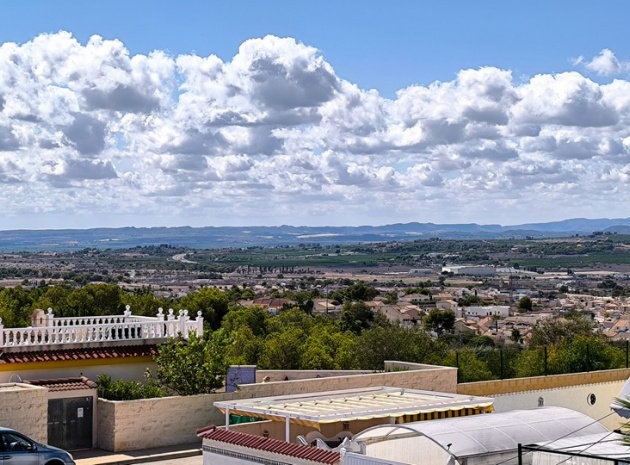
pixel 336 113
pixel 376 44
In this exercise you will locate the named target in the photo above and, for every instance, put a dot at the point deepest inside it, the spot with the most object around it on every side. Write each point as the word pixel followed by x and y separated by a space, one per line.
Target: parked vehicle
pixel 18 449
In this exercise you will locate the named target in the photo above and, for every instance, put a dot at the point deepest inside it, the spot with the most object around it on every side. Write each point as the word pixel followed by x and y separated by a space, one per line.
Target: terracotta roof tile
pixel 87 353
pixel 64 384
pixel 262 443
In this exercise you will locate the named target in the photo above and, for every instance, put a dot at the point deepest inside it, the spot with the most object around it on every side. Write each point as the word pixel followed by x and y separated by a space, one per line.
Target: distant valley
pixel 260 236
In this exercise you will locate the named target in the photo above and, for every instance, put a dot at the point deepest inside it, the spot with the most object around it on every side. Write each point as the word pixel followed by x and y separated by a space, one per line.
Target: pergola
pixel 393 405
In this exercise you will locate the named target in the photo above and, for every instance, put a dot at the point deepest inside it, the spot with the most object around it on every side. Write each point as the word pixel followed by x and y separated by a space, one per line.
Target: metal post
pixel 520 454
pixel 545 355
pixel 457 363
pixel 1 333
pixel 287 430
pixel 227 418
pixel 501 354
pixel 627 353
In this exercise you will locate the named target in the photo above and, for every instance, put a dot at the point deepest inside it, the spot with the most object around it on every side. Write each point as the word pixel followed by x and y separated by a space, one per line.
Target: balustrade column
pixel 171 324
pixel 1 333
pixel 50 317
pixel 183 316
pixel 160 326
pixel 199 321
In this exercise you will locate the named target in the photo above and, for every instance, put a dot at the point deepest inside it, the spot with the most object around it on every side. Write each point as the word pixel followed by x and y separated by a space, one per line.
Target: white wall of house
pixel 574 397
pixel 500 310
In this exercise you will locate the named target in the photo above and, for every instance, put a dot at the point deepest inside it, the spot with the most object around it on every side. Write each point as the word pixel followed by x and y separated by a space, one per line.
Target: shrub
pixel 126 390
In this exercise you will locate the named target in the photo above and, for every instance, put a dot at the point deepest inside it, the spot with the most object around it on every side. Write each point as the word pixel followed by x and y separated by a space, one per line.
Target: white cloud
pixel 605 64
pixel 273 135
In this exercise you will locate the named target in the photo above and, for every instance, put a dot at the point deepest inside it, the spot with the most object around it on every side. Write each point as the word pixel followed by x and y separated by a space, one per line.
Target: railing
pixel 121 328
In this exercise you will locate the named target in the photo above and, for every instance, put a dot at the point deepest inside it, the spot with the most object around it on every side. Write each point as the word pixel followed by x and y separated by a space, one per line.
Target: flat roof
pixel 353 404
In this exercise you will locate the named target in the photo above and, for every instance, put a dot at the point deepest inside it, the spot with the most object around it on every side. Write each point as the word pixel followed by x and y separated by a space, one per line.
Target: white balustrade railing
pixel 117 328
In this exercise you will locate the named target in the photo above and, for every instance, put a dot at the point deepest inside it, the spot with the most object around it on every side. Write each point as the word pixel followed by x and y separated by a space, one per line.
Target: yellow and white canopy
pixel 397 404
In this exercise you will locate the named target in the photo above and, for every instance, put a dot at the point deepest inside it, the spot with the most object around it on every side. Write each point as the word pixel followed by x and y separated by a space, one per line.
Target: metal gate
pixel 70 423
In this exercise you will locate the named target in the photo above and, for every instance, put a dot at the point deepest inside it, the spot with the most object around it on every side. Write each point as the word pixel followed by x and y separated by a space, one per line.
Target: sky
pixel 245 113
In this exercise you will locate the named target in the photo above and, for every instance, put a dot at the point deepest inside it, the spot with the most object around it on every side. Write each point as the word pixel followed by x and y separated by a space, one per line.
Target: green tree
pixel 95 299
pixel 555 330
pixel 516 335
pixel 55 297
pixel 439 320
pixel 144 303
pixel 355 317
pixel 245 347
pixel 255 318
pixel 396 342
pixel 15 307
pixel 196 365
pixel 213 304
pixel 471 299
pixel 283 350
pixel 525 304
pixel 293 318
pixel 470 368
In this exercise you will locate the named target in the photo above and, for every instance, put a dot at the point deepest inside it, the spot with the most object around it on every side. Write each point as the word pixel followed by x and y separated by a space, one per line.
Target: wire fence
pixel 485 363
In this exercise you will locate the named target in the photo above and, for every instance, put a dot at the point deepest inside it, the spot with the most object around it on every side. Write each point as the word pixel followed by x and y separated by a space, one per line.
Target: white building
pixel 490 310
pixel 473 270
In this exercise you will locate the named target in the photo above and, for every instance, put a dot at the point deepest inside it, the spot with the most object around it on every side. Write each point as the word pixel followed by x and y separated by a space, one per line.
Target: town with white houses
pixel 406 413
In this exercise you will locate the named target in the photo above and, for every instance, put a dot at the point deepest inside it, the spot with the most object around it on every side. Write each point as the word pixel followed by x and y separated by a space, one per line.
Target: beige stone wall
pixel 25 408
pixel 428 378
pixel 147 423
pixel 293 375
pixel 509 386
pixel 126 370
pixel 141 424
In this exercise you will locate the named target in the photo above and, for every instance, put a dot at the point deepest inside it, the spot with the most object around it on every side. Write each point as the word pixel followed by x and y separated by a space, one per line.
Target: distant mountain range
pixel 219 237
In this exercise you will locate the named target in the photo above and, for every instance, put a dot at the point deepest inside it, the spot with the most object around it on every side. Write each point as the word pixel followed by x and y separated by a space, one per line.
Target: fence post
pixel 181 320
pixel 501 354
pixel 627 347
pixel 457 364
pixel 545 355
pixel 171 332
pixel 50 317
pixel 160 318
pixel 199 321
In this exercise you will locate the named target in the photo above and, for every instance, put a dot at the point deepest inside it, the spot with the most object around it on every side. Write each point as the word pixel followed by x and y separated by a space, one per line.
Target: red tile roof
pixel 87 353
pixel 262 443
pixel 64 384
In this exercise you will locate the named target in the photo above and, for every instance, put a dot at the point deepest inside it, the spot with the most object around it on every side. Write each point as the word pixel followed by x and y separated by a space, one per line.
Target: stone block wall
pixel 509 386
pixel 25 408
pixel 412 376
pixel 147 423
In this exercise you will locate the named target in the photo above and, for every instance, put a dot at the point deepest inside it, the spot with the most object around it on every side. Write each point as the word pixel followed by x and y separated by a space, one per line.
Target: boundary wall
pixel 149 423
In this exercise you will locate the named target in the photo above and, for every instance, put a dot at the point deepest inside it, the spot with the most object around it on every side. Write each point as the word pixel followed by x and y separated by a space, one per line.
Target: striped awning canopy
pixel 400 405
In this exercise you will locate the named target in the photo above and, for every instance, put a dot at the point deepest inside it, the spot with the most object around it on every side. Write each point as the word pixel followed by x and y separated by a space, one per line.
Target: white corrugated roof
pixel 482 434
pixel 609 445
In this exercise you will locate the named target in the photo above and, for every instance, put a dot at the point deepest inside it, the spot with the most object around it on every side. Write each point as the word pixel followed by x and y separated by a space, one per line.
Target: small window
pixel 541 401
pixel 591 399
